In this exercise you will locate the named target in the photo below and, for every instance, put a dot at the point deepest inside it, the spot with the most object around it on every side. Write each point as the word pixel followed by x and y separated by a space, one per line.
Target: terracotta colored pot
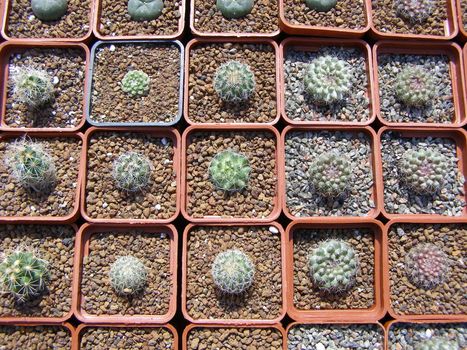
pixel 161 132
pixel 50 219
pixel 8 48
pixel 193 43
pixel 372 314
pixel 187 330
pixel 313 45
pixel 376 167
pixel 450 27
pixel 451 50
pixel 334 32
pixel 100 36
pixel 462 29
pixel 83 241
pixel 459 136
pixel 230 322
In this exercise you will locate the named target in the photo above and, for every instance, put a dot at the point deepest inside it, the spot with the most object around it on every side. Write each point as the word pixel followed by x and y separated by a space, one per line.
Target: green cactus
pixel 233 271
pixel 333 266
pixel 234 8
pixel 330 174
pixel 230 171
pixel 328 80
pixel 32 86
pixel 49 10
pixel 234 82
pixel 415 86
pixel 128 275
pixel 321 5
pixel 136 83
pixel 131 171
pixel 145 10
pixel 414 11
pixel 23 275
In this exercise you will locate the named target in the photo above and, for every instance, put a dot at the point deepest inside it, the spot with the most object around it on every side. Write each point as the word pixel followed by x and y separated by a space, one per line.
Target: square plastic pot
pixel 462 29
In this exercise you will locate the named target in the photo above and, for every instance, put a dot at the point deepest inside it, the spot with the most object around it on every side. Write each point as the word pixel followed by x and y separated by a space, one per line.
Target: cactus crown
pixel 32 86
pixel 234 82
pixel 233 271
pixel 415 86
pixel 328 80
pixel 131 171
pixel 333 266
pixel 414 11
pixel 23 274
pixel 128 275
pixel 136 83
pixel 321 5
pixel 230 171
pixel 437 343
pixel 145 10
pixel 49 10
pixel 234 8
pixel 423 171
pixel 330 174
pixel 427 265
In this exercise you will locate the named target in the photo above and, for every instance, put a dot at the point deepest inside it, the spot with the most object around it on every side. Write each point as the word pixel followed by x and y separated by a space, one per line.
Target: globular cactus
pixel 328 80
pixel 131 171
pixel 128 275
pixel 32 86
pixel 437 343
pixel 333 265
pixel 49 10
pixel 330 174
pixel 427 266
pixel 414 11
pixel 136 83
pixel 145 10
pixel 321 5
pixel 23 274
pixel 423 171
pixel 415 86
pixel 233 271
pixel 234 8
pixel 229 171
pixel 234 82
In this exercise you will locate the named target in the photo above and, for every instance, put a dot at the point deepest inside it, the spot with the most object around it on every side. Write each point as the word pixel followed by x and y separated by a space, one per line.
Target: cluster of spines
pixel 415 87
pixel 234 82
pixel 414 11
pixel 131 171
pixel 229 171
pixel 128 275
pixel 136 83
pixel 32 86
pixel 233 271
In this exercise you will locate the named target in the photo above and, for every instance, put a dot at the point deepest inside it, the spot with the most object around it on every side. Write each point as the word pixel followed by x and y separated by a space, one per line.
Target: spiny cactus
pixel 437 343
pixel 414 11
pixel 427 265
pixel 321 5
pixel 23 274
pixel 229 171
pixel 49 10
pixel 136 83
pixel 328 80
pixel 145 10
pixel 128 275
pixel 333 265
pixel 423 171
pixel 233 271
pixel 32 86
pixel 234 8
pixel 415 86
pixel 330 174
pixel 234 82
pixel 131 171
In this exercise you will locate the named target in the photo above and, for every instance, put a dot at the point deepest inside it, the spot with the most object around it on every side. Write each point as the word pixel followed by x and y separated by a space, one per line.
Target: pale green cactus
pixel 49 10
pixel 145 10
pixel 128 275
pixel 235 8
pixel 233 271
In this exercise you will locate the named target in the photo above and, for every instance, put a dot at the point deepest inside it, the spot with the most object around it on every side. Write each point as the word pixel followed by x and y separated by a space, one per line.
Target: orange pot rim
pixel 462 30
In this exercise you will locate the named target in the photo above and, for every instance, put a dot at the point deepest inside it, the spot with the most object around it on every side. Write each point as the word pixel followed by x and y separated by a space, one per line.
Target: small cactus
pixel 333 266
pixel 233 271
pixel 23 274
pixel 414 11
pixel 49 10
pixel 234 82
pixel 234 8
pixel 321 5
pixel 328 80
pixel 423 171
pixel 330 174
pixel 128 275
pixel 437 343
pixel 427 265
pixel 230 171
pixel 32 86
pixel 415 87
pixel 145 10
pixel 136 83
pixel 131 171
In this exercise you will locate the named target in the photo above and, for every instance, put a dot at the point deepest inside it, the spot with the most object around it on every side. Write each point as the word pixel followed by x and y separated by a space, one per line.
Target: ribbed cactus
pixel 321 5
pixel 330 174
pixel 128 275
pixel 49 10
pixel 145 10
pixel 32 87
pixel 131 171
pixel 414 11
pixel 234 82
pixel 233 271
pixel 437 343
pixel 230 171
pixel 415 86
pixel 136 83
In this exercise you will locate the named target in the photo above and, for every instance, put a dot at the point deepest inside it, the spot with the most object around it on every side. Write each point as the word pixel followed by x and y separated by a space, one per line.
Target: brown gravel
pixel 54 244
pixel 104 200
pixel 35 338
pixel 263 300
pixel 115 20
pixel 255 201
pixel 386 20
pixel 126 338
pixel 349 14
pixel 205 106
pixel 18 201
pixel 359 296
pixel 234 338
pixel 23 24
pixel 67 67
pixel 153 249
pixel 263 18
pixel 112 61
pixel 447 298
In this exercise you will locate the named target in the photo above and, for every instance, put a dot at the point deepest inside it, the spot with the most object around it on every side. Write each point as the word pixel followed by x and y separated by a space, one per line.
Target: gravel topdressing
pixel 35 338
